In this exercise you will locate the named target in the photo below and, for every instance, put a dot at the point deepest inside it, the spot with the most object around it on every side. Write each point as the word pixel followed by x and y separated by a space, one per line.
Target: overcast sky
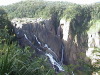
pixel 7 2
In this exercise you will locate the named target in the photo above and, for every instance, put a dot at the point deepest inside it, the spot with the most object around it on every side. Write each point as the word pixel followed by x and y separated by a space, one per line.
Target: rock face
pixel 93 43
pixel 75 45
pixel 44 31
pixel 40 35
pixel 79 46
pixel 62 45
pixel 93 51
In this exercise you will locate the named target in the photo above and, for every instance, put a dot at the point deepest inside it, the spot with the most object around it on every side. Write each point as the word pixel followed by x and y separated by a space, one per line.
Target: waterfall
pixel 72 73
pixel 39 49
pixel 37 40
pixel 46 46
pixel 55 64
pixel 27 38
pixel 62 51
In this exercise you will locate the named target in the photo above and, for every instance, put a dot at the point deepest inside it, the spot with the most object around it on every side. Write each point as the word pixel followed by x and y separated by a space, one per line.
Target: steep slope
pixel 40 36
pixel 36 8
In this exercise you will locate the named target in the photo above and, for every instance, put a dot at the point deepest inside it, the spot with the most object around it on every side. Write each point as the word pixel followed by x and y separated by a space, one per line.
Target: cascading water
pixel 73 73
pixel 62 52
pixel 46 46
pixel 27 38
pixel 55 64
pixel 37 40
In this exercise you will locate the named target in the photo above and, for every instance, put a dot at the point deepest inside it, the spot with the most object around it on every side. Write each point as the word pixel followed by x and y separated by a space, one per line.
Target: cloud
pixel 79 1
pixel 7 2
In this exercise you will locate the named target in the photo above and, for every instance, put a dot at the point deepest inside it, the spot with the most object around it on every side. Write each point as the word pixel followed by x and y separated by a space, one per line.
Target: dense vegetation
pixel 17 61
pixel 39 8
pixel 13 59
pixel 80 14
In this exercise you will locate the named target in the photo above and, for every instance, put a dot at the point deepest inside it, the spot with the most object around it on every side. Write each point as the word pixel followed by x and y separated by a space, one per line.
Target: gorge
pixel 63 36
pixel 61 48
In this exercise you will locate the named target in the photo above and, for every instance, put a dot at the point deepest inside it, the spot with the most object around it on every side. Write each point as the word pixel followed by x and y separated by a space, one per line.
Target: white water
pixel 27 38
pixel 37 40
pixel 72 73
pixel 54 62
pixel 30 41
pixel 46 46
pixel 39 49
pixel 62 54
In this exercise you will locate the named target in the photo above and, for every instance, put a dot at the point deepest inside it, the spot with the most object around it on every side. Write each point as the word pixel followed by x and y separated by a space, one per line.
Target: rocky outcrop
pixel 79 46
pixel 75 44
pixel 42 30
pixel 40 36
pixel 94 42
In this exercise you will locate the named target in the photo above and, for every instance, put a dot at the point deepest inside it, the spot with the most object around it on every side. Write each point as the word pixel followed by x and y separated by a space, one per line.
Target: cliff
pixel 40 36
pixel 75 44
pixel 68 46
pixel 68 35
pixel 81 43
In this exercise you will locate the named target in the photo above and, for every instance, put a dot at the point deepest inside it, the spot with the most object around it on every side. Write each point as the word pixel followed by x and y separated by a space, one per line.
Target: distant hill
pixel 46 9
pixel 36 8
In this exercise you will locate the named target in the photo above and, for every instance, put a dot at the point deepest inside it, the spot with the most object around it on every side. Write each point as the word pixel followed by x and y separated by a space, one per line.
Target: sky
pixel 7 2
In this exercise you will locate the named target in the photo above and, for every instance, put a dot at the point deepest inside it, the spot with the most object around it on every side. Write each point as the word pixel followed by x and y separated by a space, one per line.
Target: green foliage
pixel 95 11
pixel 96 65
pixel 3 18
pixel 94 26
pixel 44 9
pixel 80 21
pixel 80 15
pixel 34 8
pixel 17 61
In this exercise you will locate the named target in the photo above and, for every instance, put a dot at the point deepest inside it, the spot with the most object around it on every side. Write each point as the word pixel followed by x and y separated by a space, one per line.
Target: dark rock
pixel 28 34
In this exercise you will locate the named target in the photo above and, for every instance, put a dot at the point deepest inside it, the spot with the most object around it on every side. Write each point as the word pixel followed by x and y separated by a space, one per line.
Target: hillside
pixel 34 8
